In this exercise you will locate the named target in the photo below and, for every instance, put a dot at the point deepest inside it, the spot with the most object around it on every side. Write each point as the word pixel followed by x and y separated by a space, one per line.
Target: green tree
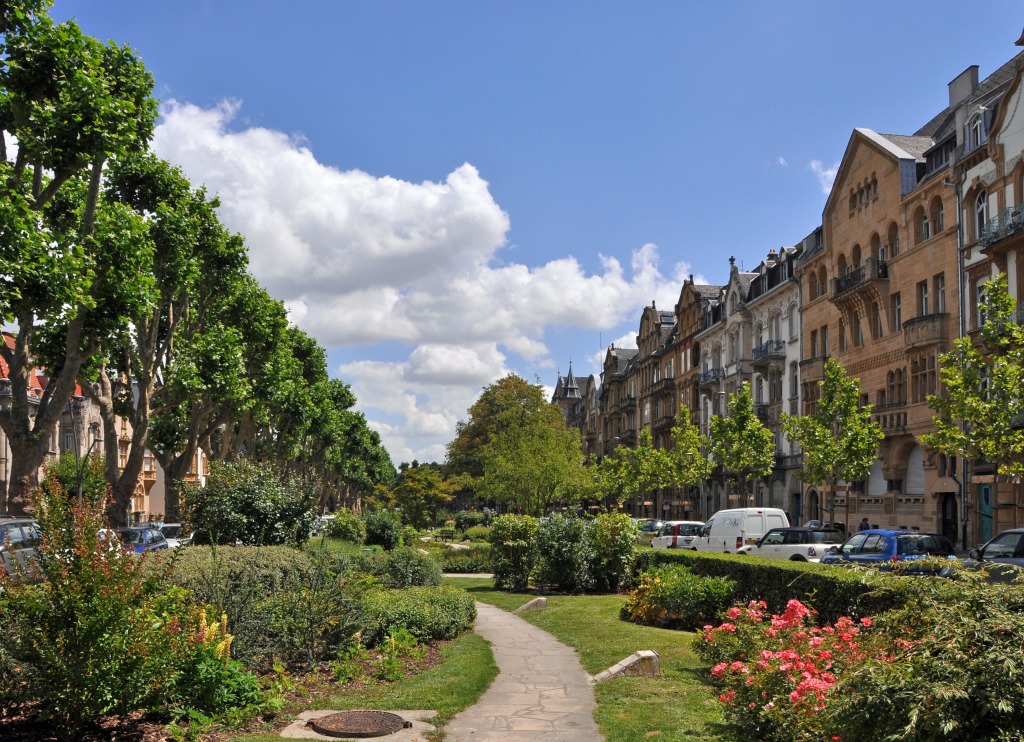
pixel 839 440
pixel 740 442
pixel 534 465
pixel 73 272
pixel 501 404
pixel 633 472
pixel 246 503
pixel 981 413
pixel 688 463
pixel 420 491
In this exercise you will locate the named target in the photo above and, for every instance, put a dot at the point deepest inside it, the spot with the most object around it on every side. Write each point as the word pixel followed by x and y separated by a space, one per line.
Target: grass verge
pixel 466 672
pixel 678 705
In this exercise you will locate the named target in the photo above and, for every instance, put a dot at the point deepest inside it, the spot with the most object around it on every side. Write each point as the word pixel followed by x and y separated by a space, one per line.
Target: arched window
pixel 774 333
pixel 877 248
pixel 843 267
pixel 853 200
pixel 758 334
pixel 794 379
pixel 980 214
pixel 876 321
pixel 937 216
pixel 855 258
pixel 794 321
pixel 822 281
pixel 921 226
pixel 893 240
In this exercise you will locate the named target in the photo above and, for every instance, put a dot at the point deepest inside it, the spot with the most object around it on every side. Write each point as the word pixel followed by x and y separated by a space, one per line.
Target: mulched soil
pixel 20 725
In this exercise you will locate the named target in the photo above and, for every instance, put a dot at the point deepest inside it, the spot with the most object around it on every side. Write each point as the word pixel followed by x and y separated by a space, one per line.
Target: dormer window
pixel 977 133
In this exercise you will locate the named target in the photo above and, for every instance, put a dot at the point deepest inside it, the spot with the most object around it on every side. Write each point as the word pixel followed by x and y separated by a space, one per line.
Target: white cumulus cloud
pixel 363 259
pixel 826 175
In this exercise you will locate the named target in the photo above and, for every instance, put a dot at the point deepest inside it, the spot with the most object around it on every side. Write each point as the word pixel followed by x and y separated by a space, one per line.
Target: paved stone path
pixel 541 692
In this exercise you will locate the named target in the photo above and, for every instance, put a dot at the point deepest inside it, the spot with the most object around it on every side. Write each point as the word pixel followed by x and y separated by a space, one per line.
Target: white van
pixel 728 530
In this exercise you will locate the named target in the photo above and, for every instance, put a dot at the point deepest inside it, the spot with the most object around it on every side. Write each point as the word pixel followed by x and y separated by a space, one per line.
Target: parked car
pixel 19 547
pixel 1006 548
pixel 795 544
pixel 880 545
pixel 648 530
pixel 672 531
pixel 140 539
pixel 729 530
pixel 174 533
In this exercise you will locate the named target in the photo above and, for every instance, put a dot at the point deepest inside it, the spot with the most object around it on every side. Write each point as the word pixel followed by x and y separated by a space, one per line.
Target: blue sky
pixel 445 192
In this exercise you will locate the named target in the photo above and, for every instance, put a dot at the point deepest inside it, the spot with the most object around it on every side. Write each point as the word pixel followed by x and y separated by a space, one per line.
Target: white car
pixel 672 531
pixel 795 544
pixel 174 534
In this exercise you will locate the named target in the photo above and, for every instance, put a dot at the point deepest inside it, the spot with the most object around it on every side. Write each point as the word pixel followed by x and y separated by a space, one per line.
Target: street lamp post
pixel 80 461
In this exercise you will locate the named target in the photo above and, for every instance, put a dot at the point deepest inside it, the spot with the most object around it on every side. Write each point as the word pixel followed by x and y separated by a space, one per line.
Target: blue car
pixel 882 546
pixel 141 539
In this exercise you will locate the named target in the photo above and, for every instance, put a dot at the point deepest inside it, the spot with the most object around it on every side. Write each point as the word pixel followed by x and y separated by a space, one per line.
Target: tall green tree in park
pixel 188 245
pixel 687 457
pixel 981 413
pixel 740 442
pixel 420 491
pixel 838 439
pixel 518 450
pixel 633 472
pixel 71 272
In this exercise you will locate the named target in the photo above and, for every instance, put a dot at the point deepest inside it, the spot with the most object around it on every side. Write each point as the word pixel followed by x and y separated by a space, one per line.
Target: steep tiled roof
pixel 941 125
pixel 914 146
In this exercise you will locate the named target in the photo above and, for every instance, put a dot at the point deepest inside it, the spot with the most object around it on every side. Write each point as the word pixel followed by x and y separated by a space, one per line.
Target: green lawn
pixel 679 705
pixel 466 672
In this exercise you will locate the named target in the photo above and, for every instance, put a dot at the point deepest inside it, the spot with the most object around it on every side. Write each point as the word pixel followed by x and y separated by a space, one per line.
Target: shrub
pixel 99 635
pixel 832 591
pixel 468 519
pixel 428 613
pixel 347 526
pixel 212 682
pixel 244 503
pixel 401 568
pixel 478 533
pixel 951 668
pixel 270 593
pixel 613 540
pixel 410 536
pixel 675 597
pixel 384 528
pixel 564 554
pixel 779 676
pixel 476 558
pixel 512 551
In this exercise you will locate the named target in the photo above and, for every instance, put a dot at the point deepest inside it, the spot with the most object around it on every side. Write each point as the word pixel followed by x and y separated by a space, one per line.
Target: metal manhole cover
pixel 358 724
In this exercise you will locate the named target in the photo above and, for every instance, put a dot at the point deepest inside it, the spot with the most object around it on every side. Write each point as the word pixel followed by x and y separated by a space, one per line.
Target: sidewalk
pixel 541 692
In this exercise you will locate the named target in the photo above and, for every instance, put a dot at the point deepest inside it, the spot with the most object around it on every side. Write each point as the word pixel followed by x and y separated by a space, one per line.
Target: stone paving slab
pixel 542 692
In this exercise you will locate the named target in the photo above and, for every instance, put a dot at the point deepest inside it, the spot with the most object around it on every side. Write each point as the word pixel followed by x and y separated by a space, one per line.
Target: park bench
pixel 447 534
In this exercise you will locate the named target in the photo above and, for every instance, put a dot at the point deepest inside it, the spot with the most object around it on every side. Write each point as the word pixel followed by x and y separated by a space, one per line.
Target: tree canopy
pixel 740 442
pixel 981 412
pixel 839 440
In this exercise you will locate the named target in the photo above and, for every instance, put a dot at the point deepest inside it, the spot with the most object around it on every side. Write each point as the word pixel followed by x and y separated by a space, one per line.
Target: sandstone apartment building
pixel 915 224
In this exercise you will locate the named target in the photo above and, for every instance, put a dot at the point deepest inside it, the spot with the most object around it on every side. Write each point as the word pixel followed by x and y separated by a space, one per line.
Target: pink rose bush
pixel 779 671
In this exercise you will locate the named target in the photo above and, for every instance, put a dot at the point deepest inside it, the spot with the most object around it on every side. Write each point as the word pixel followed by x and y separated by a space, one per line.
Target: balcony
pixel 892 418
pixel 712 376
pixel 768 414
pixel 813 369
pixel 868 282
pixel 663 422
pixel 1007 223
pixel 931 329
pixel 667 384
pixel 765 353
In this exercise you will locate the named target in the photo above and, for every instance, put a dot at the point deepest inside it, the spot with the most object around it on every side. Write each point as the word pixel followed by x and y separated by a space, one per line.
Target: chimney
pixel 963 85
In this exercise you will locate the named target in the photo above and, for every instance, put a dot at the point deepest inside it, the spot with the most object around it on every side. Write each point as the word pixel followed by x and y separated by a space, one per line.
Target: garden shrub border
pixel 832 591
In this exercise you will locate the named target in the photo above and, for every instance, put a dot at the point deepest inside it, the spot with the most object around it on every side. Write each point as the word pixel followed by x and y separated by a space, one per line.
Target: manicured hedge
pixel 832 591
pixel 428 613
pixel 403 567
pixel 476 558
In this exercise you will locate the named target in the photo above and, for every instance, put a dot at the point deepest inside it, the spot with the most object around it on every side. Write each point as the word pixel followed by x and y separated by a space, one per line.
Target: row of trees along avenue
pixel 516 450
pixel 119 277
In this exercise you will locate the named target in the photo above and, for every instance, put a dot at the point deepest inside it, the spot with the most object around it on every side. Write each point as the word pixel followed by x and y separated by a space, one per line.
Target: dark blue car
pixel 882 545
pixel 141 539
